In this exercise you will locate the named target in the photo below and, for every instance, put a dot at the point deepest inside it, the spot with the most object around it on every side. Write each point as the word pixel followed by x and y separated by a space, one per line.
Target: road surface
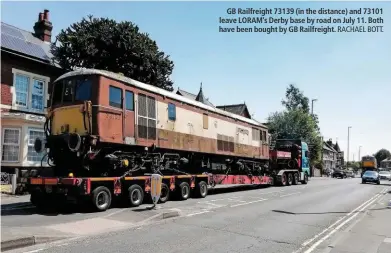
pixel 293 219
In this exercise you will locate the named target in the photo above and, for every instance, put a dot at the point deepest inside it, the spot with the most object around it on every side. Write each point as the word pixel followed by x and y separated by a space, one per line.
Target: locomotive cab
pixel 68 126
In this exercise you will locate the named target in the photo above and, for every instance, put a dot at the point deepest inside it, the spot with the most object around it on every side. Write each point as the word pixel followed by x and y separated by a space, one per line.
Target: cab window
pixel 115 97
pixel 72 89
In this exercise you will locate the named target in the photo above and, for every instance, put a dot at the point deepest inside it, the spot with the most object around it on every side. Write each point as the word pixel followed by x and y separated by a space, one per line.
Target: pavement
pixel 325 216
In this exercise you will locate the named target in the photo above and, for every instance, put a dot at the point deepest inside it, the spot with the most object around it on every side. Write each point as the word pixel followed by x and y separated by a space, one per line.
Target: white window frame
pixel 32 77
pixel 11 144
pixel 34 129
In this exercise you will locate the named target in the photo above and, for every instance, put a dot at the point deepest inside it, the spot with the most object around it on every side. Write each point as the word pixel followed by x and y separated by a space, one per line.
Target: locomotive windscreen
pixel 72 89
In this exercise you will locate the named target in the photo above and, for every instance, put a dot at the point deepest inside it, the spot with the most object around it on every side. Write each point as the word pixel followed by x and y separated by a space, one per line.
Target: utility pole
pixel 312 105
pixel 347 158
pixel 359 153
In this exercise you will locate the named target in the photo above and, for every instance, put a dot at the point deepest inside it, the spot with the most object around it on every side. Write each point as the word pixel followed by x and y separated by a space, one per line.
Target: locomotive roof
pixel 156 90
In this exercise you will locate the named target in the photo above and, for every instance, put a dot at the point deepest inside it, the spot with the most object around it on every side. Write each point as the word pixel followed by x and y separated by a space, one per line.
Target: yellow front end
pixel 368 164
pixel 71 119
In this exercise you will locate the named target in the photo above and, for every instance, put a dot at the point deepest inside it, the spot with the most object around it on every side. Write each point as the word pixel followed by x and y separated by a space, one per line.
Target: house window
pixel 115 97
pixel 205 121
pixel 129 100
pixel 32 155
pixel 171 112
pixel 146 117
pixel 30 90
pixel 11 145
pixel 22 89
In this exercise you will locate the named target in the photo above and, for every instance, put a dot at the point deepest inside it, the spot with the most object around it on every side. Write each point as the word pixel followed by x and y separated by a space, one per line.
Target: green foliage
pixel 381 155
pixel 296 122
pixel 102 43
pixel 295 99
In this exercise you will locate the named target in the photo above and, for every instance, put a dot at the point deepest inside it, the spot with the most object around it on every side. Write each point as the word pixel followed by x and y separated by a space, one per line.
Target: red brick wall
pixel 6 96
pixel 9 61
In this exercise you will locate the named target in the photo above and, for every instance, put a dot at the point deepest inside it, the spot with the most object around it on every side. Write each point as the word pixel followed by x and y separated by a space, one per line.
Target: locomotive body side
pixel 153 119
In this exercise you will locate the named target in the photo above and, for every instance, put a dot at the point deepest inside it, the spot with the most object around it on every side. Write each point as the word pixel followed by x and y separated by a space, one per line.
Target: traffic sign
pixel 156 187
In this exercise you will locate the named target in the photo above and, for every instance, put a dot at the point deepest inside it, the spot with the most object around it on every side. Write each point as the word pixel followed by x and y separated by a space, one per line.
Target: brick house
pixel 26 74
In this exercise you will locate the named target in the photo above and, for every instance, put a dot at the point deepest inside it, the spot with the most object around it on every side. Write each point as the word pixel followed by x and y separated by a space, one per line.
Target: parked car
pixel 350 173
pixel 339 174
pixel 385 175
pixel 371 177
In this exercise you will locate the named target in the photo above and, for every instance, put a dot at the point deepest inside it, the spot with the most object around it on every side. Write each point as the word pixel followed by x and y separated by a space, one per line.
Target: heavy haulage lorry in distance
pixel 106 134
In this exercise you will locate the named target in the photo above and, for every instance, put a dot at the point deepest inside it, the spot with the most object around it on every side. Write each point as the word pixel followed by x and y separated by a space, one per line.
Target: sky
pixel 348 73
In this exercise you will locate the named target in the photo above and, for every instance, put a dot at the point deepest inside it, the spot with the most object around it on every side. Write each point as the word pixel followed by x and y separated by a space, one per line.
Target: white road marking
pixel 33 251
pixel 114 213
pixel 214 205
pixel 362 206
pixel 192 214
pixel 286 195
pixel 387 240
pixel 251 202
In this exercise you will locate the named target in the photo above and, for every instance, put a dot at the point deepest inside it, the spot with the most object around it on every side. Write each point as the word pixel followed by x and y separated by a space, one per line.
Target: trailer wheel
pixel 101 198
pixel 184 191
pixel 165 194
pixel 201 190
pixel 305 181
pixel 38 200
pixel 283 179
pixel 295 178
pixel 290 179
pixel 136 195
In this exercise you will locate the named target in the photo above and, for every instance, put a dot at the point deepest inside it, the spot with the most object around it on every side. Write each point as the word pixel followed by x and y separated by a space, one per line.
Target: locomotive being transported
pixel 105 124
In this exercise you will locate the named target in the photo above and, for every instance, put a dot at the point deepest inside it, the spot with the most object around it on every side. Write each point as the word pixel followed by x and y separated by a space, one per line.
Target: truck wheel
pixel 295 178
pixel 101 198
pixel 305 181
pixel 290 179
pixel 165 194
pixel 136 195
pixel 184 191
pixel 283 180
pixel 201 190
pixel 37 198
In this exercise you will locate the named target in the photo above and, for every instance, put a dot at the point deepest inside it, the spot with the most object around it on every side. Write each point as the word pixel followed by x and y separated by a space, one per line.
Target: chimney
pixel 43 27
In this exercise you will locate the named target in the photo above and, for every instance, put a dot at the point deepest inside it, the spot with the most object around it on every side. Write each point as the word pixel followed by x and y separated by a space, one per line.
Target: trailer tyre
pixel 184 191
pixel 201 190
pixel 283 179
pixel 136 195
pixel 295 178
pixel 165 194
pixel 305 181
pixel 290 179
pixel 101 198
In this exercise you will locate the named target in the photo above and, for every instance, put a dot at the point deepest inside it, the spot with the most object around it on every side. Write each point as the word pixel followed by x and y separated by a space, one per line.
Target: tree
pixel 295 99
pixel 381 155
pixel 102 43
pixel 296 124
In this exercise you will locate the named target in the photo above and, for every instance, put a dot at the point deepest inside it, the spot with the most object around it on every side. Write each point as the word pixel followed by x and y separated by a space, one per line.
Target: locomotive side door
pixel 129 117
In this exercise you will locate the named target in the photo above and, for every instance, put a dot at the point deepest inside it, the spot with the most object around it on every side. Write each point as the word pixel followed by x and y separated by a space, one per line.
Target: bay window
pixel 29 91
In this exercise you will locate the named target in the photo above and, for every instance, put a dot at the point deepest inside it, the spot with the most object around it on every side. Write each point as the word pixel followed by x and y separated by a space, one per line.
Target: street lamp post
pixel 312 105
pixel 347 158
